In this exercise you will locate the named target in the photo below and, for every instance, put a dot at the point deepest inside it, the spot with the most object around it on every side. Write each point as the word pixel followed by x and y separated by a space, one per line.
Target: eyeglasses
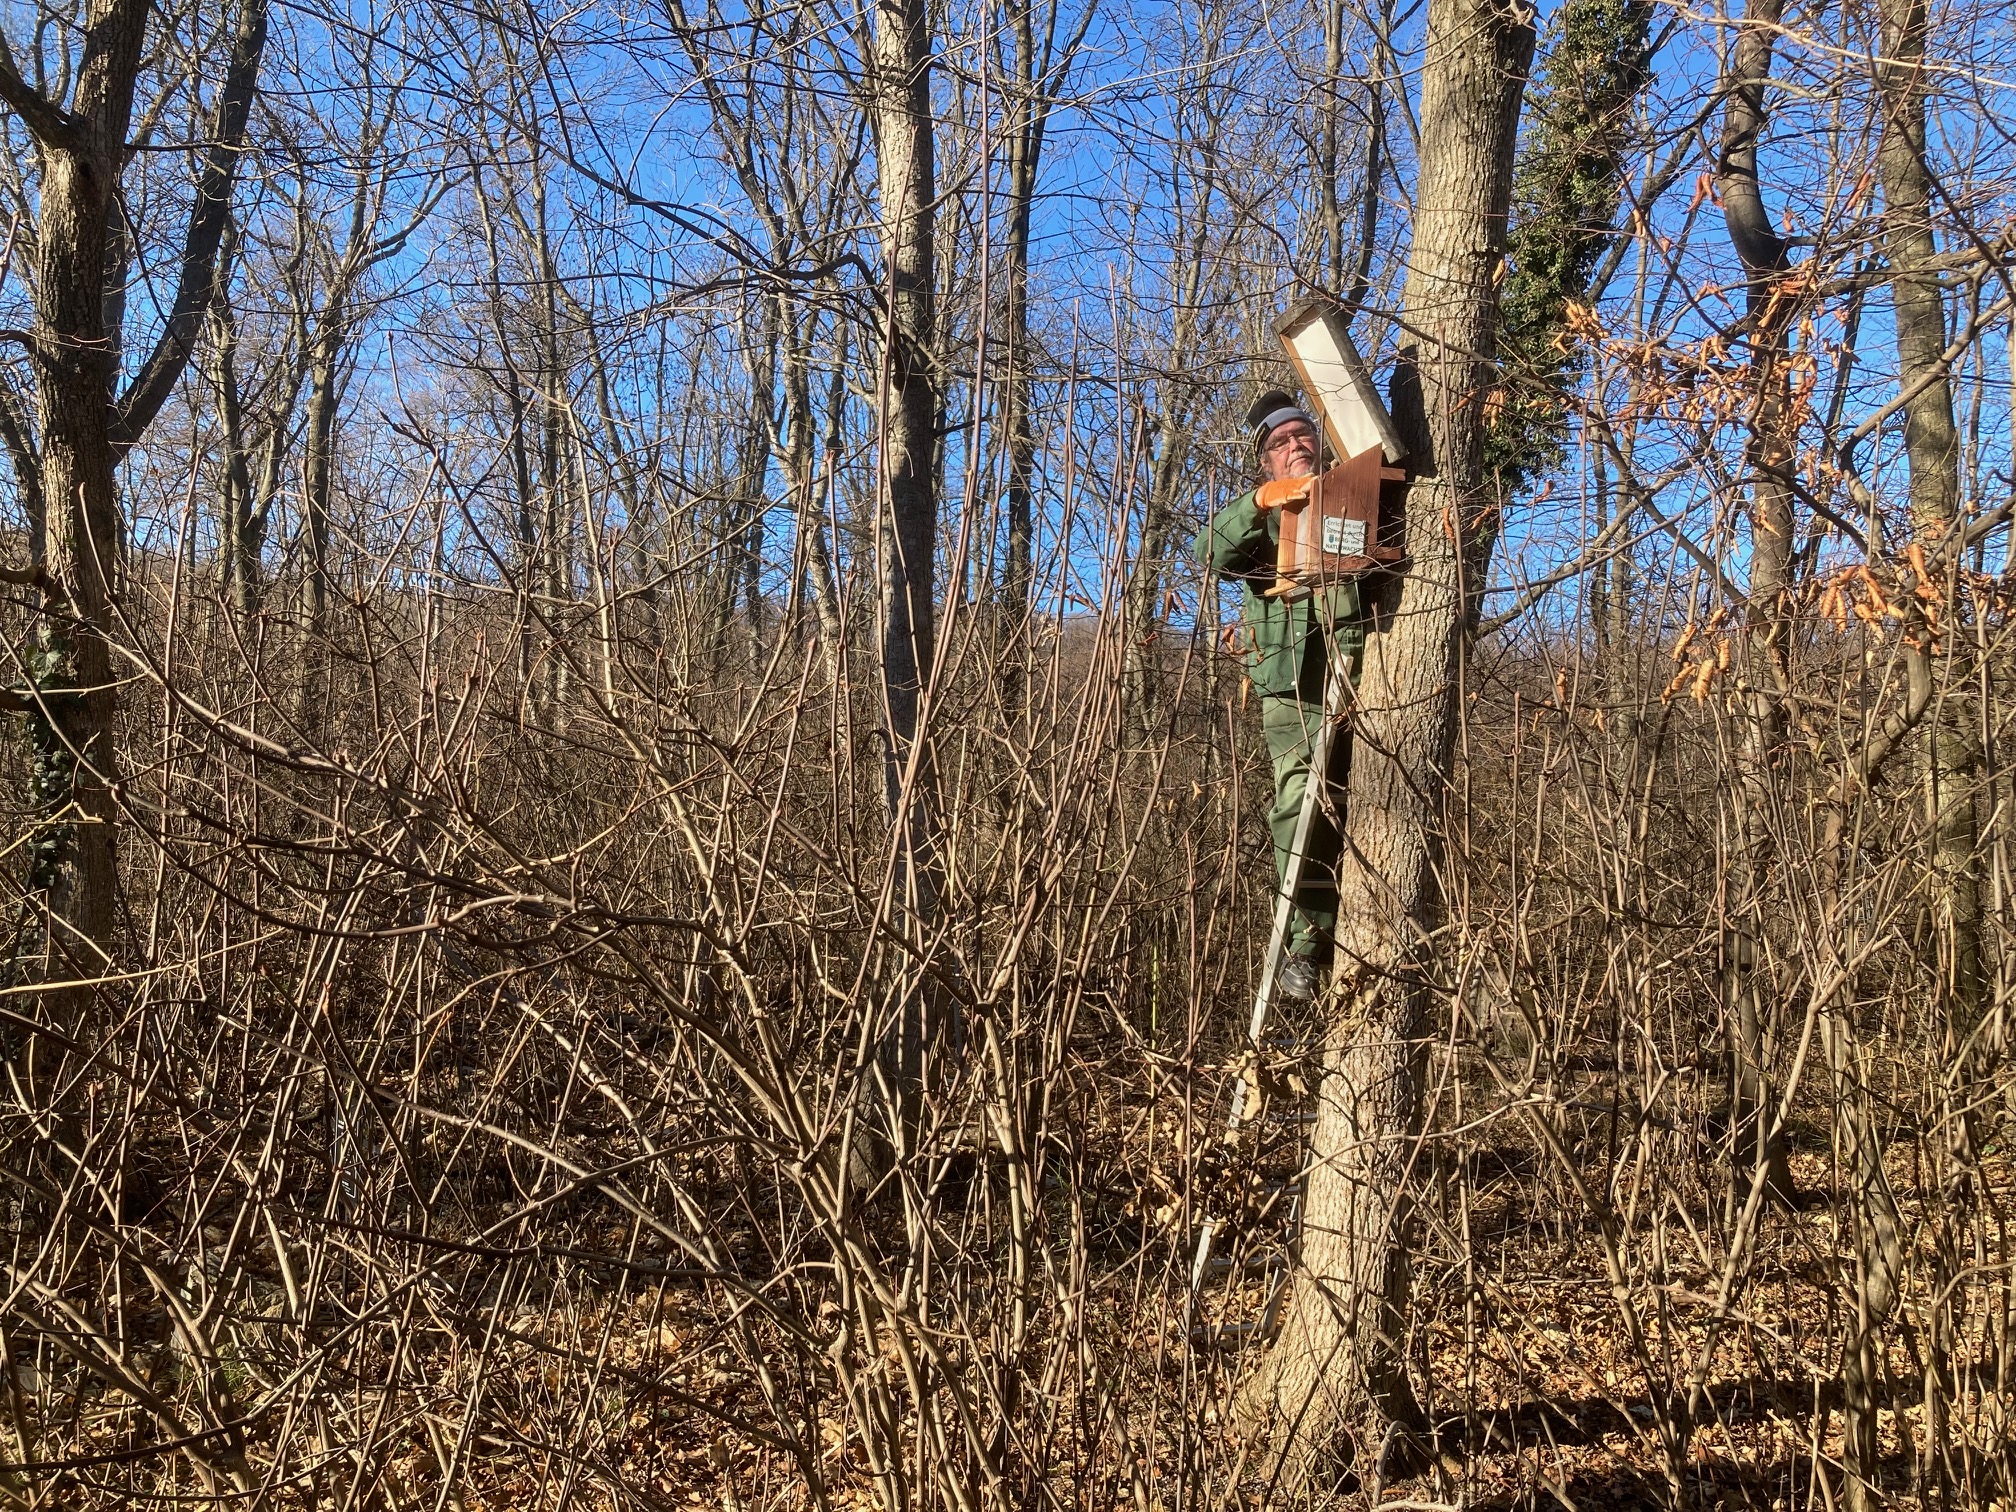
pixel 1293 431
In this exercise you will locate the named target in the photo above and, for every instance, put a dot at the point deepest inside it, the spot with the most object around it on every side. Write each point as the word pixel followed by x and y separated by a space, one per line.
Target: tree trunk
pixel 74 350
pixel 1141 598
pixel 1143 595
pixel 907 179
pixel 1037 71
pixel 319 334
pixel 1025 150
pixel 79 233
pixel 1746 1015
pixel 797 455
pixel 18 436
pixel 908 537
pixel 509 379
pixel 820 506
pixel 234 491
pixel 326 340
pixel 1329 148
pixel 1340 1346
pixel 554 578
pixel 745 495
pixel 1368 204
pixel 1876 1226
pixel 1951 770
pixel 1953 756
pixel 71 858
pixel 317 487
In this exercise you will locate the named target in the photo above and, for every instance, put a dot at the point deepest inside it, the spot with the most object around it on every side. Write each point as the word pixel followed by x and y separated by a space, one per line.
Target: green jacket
pixel 1282 641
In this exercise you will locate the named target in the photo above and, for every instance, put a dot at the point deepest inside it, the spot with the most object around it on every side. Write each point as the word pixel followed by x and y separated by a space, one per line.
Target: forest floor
pixel 1543 1398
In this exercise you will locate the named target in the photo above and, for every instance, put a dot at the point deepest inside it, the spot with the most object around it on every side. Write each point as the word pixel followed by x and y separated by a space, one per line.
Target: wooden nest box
pixel 1336 533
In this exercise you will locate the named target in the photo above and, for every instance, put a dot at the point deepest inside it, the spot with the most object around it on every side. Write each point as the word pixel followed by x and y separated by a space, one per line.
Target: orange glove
pixel 1279 491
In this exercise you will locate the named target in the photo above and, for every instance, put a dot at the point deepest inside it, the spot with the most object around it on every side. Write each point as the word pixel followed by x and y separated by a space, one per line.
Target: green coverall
pixel 1285 656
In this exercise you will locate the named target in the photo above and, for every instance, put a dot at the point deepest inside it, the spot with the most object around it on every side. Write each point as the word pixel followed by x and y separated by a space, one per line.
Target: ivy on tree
pixel 1565 192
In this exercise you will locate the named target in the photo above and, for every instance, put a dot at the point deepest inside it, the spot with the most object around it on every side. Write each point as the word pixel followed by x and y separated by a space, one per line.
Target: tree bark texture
pixel 1025 151
pixel 1340 1348
pixel 82 153
pixel 907 182
pixel 234 486
pixel 908 538
pixel 1747 1017
pixel 1950 770
pixel 85 430
pixel 557 585
pixel 1953 755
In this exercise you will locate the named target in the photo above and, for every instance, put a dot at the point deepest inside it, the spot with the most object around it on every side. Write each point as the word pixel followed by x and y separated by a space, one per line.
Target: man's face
pixel 1290 450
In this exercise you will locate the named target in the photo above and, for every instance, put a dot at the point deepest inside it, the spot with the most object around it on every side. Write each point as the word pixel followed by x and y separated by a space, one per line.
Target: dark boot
pixel 1299 978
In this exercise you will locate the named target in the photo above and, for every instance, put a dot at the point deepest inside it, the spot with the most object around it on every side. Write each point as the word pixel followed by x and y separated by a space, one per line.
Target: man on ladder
pixel 1292 639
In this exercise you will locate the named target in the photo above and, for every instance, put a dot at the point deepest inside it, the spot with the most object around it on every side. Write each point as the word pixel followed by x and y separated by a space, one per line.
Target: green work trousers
pixel 1291 724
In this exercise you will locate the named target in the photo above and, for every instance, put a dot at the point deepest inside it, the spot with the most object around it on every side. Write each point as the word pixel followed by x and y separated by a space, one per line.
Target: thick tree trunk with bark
pixel 82 153
pixel 907 178
pixel 908 538
pixel 1339 1352
pixel 85 429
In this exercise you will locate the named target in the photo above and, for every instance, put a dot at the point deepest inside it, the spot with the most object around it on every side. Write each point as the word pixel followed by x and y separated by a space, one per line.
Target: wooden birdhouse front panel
pixel 1334 535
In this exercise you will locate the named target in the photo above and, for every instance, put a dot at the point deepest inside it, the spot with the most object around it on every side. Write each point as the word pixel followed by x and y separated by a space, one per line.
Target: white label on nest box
pixel 1342 537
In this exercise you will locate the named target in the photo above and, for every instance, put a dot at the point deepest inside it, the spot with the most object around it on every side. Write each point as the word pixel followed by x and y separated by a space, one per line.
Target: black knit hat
pixel 1275 407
